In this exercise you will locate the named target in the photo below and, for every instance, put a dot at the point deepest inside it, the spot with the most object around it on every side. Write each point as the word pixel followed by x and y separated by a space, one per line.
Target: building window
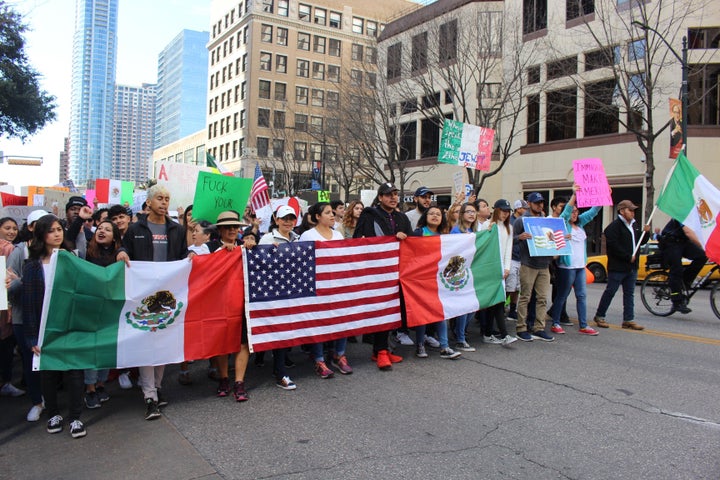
pixel 702 38
pixel 335 20
pixel 262 146
pixel 431 101
pixel 599 59
pixel 303 42
pixel 264 89
pixel 278 119
pixel 316 124
pixel 357 52
pixel 704 94
pixel 243 118
pixel 408 106
pixel 418 57
pixel 266 34
pixel 533 119
pixel 244 62
pixel 282 36
pixel 561 121
pixel 408 134
pixel 281 63
pixel 283 8
pixel 489 90
pixel 301 95
pixel 320 16
pixel 300 122
pixel 318 97
pixel 334 48
pixel 315 152
pixel 263 117
pixel 265 61
pixel 533 75
pixel 371 55
pixel 358 25
pixel 280 91
pixel 332 127
pixel 394 58
pixel 578 8
pixel 304 12
pixel 319 44
pixel 490 24
pixel 448 41
pixel 267 6
pixel 300 151
pixel 333 73
pixel 303 68
pixel 636 50
pixel 333 100
pixel 372 29
pixel 278 148
pixel 562 68
pixel 243 91
pixel 601 115
pixel 429 138
pixel 370 80
pixel 318 71
pixel 355 78
pixel 534 15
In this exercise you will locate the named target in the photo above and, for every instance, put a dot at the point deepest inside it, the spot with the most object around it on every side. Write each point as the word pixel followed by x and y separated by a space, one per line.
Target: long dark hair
pixel 495 218
pixel 422 221
pixel 36 250
pixel 95 251
pixel 316 210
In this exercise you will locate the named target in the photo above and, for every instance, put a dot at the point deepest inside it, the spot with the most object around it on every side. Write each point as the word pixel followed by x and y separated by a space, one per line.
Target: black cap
pixel 75 202
pixel 423 191
pixel 502 204
pixel 535 197
pixel 386 188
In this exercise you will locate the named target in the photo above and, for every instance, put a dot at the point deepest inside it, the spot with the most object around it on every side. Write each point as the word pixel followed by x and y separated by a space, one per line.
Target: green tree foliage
pixel 24 107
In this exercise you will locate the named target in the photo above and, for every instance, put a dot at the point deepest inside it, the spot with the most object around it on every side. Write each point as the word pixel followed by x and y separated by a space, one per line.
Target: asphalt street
pixel 624 404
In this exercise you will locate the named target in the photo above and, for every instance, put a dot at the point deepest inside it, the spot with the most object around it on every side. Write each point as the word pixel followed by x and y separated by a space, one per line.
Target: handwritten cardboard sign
pixel 466 145
pixel 594 188
pixel 180 179
pixel 217 193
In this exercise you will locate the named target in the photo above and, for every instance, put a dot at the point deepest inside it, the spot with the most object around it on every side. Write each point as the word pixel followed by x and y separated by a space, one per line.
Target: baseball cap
pixel 285 210
pixel 386 188
pixel 535 197
pixel 502 204
pixel 627 204
pixel 76 202
pixel 520 204
pixel 423 191
pixel 35 215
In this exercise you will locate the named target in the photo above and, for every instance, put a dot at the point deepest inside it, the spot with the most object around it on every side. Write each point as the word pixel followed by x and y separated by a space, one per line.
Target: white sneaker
pixel 34 413
pixel 10 390
pixel 432 342
pixel 508 340
pixel 124 381
pixel 404 339
pixel 492 339
pixel 464 346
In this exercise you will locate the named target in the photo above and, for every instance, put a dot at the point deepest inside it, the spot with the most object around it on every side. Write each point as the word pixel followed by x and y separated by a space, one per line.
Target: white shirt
pixel 314 235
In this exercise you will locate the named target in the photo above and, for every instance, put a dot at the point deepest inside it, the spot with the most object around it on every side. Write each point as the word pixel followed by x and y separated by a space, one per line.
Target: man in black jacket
pixel 621 238
pixel 377 221
pixel 155 237
pixel 679 241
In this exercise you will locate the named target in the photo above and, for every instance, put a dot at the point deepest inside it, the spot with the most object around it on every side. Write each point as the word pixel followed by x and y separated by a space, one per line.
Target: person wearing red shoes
pixel 382 219
pixel 571 268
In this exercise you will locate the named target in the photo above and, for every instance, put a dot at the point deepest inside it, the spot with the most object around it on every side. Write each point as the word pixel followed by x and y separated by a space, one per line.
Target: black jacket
pixel 619 243
pixel 375 222
pixel 138 241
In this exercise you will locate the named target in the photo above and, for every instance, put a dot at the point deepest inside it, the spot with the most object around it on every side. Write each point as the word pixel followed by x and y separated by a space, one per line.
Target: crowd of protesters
pixel 105 236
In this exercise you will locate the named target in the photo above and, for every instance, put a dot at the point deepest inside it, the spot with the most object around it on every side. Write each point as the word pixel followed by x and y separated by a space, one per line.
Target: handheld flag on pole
pixel 259 196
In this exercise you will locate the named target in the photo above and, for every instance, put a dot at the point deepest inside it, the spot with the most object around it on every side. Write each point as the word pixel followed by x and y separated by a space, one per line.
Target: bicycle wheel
pixel 715 299
pixel 655 294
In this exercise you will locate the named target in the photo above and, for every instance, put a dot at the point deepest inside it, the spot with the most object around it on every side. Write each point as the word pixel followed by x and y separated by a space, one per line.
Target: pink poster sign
pixel 90 197
pixel 594 188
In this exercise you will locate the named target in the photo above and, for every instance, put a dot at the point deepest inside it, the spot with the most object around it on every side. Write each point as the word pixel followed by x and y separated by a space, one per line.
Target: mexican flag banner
pixel 147 314
pixel 114 191
pixel 692 200
pixel 445 276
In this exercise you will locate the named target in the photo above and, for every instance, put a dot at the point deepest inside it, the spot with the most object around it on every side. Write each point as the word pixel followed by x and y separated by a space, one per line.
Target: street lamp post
pixel 684 64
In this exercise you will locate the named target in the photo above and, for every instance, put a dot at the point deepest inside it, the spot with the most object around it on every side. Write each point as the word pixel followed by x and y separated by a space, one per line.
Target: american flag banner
pixel 259 196
pixel 310 292
pixel 559 238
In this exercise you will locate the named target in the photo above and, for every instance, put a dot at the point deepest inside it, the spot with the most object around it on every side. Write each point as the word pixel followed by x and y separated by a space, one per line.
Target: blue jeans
pixel 615 279
pixel 442 333
pixel 339 348
pixel 461 324
pixel 94 376
pixel 567 278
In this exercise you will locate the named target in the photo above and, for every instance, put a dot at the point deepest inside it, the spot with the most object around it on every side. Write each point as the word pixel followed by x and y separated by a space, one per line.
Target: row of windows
pixel 227 124
pixel 302 151
pixel 447 50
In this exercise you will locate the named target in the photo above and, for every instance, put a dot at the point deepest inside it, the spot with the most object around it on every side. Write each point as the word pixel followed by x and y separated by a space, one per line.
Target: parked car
pixel 597 264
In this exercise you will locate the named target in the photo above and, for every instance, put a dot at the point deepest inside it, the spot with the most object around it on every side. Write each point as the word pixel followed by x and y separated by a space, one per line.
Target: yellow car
pixel 598 264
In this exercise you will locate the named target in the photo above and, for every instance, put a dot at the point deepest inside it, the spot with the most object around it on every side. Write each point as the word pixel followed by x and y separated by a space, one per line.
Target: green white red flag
pixel 691 199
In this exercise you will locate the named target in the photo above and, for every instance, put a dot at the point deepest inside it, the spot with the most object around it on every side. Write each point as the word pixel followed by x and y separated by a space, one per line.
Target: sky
pixel 145 27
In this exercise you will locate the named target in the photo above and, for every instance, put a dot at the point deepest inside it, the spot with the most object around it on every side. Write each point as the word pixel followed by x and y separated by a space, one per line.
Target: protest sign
pixel 458 178
pixel 466 145
pixel 548 236
pixel 216 193
pixel 594 189
pixel 55 201
pixel 180 180
pixel 323 196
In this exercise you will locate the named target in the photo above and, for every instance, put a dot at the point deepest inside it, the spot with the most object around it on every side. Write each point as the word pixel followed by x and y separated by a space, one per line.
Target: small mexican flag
pixel 445 276
pixel 115 192
pixel 692 200
pixel 147 314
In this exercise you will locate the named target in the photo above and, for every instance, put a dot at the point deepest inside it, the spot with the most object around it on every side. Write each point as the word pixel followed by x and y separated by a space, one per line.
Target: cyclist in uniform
pixel 678 241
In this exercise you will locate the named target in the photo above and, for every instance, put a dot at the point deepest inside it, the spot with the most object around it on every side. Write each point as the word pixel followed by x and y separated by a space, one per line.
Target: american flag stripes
pixel 309 292
pixel 559 238
pixel 259 196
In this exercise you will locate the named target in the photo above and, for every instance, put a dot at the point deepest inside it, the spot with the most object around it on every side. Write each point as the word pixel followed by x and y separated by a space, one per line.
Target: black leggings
pixel 497 313
pixel 74 385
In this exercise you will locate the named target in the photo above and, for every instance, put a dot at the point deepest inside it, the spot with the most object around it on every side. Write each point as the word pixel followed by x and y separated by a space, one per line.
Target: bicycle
pixel 655 289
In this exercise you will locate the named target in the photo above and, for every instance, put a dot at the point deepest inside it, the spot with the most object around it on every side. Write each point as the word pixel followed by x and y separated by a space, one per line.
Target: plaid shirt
pixel 33 291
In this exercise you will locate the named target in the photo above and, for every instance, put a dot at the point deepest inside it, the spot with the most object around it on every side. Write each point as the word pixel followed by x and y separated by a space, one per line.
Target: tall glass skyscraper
pixel 181 87
pixel 93 90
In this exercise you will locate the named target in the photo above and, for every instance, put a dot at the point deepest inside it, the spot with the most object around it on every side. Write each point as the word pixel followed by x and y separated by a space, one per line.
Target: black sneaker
pixel 92 400
pixel 162 401
pixel 541 335
pixel 680 307
pixel 102 394
pixel 152 412
pixel 77 429
pixel 55 424
pixel 223 389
